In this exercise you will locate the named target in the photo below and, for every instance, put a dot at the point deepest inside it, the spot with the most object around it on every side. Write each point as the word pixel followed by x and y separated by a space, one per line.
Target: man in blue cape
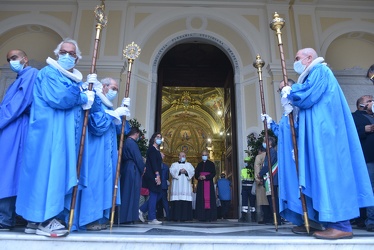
pixel 104 124
pixel 332 169
pixel 14 123
pixel 48 171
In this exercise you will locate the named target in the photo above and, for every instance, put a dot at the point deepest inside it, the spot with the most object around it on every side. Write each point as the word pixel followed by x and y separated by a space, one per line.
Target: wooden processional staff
pixel 101 23
pixel 276 25
pixel 259 64
pixel 131 52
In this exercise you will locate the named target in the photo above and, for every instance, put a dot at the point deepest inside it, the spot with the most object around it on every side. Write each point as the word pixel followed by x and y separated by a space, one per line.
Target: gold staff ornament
pixel 131 52
pixel 101 23
pixel 277 24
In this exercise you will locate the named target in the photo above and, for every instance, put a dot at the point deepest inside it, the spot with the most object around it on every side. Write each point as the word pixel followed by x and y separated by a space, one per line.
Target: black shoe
pixel 5 227
pixel 370 228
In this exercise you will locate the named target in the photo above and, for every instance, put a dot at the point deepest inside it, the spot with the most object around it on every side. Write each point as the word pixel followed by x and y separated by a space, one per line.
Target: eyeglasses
pixel 71 53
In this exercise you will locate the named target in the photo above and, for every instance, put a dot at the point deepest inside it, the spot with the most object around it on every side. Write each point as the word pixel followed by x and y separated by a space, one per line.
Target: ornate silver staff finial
pixel 132 51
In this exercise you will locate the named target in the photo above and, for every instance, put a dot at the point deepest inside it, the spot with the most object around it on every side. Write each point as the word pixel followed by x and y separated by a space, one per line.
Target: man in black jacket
pixel 364 121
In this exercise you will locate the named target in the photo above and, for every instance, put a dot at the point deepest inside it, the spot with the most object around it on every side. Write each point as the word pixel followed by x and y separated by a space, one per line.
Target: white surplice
pixel 181 188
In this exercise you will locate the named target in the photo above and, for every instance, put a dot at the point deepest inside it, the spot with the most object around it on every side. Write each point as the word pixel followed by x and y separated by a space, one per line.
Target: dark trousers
pixel 276 198
pixel 162 205
pixel 225 207
pixel 247 195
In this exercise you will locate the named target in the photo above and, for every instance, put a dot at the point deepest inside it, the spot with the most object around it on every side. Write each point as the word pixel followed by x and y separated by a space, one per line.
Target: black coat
pixel 366 139
pixel 153 164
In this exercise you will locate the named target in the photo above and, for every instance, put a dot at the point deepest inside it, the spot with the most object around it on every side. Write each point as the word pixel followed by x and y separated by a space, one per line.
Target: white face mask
pixel 183 159
pixel 204 157
pixel 264 145
pixel 372 107
pixel 299 67
pixel 158 141
pixel 111 94
pixel 16 65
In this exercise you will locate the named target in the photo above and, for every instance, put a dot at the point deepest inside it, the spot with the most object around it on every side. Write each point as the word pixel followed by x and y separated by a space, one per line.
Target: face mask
pixel 183 159
pixel 299 67
pixel 16 66
pixel 204 157
pixel 372 108
pixel 246 164
pixel 158 141
pixel 138 138
pixel 66 61
pixel 264 145
pixel 111 94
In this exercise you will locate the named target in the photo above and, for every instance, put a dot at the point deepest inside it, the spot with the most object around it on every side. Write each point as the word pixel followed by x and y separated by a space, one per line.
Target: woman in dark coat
pixel 152 179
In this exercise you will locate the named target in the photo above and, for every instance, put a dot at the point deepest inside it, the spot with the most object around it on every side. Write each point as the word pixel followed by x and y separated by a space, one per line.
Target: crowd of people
pixel 43 140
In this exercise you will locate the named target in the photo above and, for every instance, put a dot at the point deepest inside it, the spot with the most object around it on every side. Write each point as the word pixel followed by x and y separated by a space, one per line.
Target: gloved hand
pixel 121 111
pixel 126 102
pixel 97 85
pixel 286 90
pixel 269 120
pixel 84 86
pixel 287 109
pixel 90 99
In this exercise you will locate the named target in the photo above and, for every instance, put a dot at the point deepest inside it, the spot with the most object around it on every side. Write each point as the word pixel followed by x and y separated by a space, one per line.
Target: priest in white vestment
pixel 181 189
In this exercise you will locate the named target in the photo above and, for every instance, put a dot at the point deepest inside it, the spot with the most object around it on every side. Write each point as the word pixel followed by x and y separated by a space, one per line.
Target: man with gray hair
pixel 48 172
pixel 364 121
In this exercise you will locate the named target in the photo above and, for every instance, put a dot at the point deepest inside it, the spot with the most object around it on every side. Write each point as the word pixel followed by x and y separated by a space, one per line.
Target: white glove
pixel 90 99
pixel 286 90
pixel 121 111
pixel 97 86
pixel 126 102
pixel 269 120
pixel 84 86
pixel 287 109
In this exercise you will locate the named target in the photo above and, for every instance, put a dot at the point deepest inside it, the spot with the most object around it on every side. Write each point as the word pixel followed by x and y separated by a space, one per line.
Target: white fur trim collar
pixel 76 75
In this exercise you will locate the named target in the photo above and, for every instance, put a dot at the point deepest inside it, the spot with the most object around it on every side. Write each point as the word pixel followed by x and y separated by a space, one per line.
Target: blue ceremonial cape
pixel 289 195
pixel 332 169
pixel 14 123
pixel 95 201
pixel 48 171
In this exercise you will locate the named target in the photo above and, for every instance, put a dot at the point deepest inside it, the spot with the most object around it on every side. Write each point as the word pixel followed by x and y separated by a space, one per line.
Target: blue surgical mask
pixel 66 61
pixel 16 65
pixel 111 94
pixel 158 141
pixel 246 164
pixel 204 157
pixel 299 67
pixel 183 159
pixel 264 145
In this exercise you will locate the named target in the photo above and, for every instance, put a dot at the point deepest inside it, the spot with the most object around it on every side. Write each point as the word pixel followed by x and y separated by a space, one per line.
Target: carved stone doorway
pixel 196 108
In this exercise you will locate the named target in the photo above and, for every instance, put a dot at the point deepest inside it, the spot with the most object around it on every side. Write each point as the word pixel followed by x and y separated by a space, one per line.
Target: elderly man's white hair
pixel 107 81
pixel 69 40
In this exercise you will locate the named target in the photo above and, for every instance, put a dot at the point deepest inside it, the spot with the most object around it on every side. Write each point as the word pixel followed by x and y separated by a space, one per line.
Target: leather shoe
pixel 333 234
pixel 302 230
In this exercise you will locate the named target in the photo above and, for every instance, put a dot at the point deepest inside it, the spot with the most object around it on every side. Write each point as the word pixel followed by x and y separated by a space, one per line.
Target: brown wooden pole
pixel 131 52
pixel 99 26
pixel 276 25
pixel 259 63
pixel 120 148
